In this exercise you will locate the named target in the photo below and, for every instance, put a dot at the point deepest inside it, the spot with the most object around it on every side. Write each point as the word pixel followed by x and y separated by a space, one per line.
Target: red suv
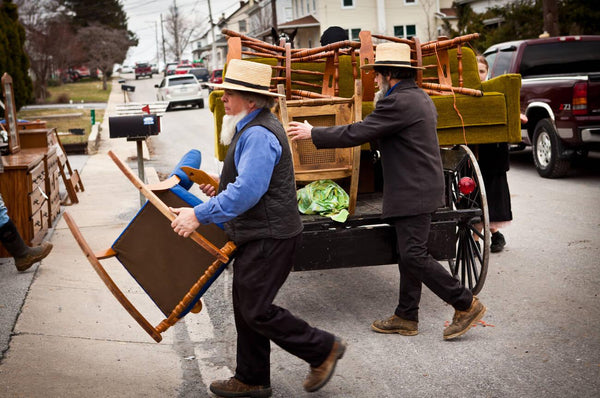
pixel 216 77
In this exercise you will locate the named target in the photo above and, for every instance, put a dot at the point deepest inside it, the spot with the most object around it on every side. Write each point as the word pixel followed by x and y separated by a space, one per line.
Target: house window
pixel 353 33
pixel 405 31
pixel 399 31
pixel 347 3
pixel 410 2
pixel 242 26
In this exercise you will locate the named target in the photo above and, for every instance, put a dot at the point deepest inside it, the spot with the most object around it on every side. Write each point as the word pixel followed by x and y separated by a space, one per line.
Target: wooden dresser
pixel 30 187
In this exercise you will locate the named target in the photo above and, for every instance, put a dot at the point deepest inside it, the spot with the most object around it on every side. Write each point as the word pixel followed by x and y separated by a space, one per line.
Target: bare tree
pixel 180 31
pixel 51 43
pixel 104 47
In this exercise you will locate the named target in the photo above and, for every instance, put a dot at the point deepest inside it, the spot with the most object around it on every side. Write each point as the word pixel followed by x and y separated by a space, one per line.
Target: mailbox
pixel 134 126
pixel 126 87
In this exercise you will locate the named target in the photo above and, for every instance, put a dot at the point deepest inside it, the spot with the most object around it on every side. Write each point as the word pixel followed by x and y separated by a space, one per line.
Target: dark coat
pixel 404 125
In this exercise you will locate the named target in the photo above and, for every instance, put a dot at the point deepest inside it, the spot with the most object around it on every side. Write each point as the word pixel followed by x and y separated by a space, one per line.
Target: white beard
pixel 378 95
pixel 228 128
pixel 381 93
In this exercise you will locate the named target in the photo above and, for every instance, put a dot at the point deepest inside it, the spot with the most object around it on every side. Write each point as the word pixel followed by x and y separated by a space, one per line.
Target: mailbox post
pixel 126 88
pixel 135 128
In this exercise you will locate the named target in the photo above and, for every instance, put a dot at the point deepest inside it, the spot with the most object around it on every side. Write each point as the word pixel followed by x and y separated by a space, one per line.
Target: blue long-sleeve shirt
pixel 256 154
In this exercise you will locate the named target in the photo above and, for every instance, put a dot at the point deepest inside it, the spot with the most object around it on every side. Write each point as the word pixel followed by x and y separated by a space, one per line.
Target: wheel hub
pixel 544 149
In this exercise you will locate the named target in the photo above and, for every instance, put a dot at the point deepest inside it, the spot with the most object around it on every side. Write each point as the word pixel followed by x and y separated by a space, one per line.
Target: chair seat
pixel 322 174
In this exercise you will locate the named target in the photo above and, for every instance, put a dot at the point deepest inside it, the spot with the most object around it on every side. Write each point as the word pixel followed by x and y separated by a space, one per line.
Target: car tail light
pixel 580 98
pixel 466 185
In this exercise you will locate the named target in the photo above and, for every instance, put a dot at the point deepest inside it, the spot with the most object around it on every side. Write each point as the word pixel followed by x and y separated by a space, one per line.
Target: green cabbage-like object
pixel 324 197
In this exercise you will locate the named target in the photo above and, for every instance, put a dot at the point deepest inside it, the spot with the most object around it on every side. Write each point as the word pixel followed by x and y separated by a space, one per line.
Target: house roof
pixel 304 22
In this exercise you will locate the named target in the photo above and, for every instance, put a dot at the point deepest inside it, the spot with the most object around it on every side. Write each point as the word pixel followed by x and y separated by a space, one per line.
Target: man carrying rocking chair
pixel 257 202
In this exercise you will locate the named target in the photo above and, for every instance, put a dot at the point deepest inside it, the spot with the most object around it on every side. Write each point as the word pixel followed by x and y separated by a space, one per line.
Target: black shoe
pixel 498 242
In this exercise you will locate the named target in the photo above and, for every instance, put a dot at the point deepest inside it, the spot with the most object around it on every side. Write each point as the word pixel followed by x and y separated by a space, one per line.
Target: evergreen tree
pixel 579 17
pixel 108 13
pixel 13 59
pixel 523 19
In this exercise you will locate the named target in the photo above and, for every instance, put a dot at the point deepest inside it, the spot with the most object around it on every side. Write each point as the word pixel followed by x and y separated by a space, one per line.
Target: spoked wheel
pixel 466 193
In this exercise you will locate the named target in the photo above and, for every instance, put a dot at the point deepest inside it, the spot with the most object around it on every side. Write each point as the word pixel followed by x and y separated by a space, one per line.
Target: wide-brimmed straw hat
pixel 247 76
pixel 395 55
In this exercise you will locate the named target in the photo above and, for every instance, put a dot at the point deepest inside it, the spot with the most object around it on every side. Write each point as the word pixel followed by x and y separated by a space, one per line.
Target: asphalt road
pixel 541 335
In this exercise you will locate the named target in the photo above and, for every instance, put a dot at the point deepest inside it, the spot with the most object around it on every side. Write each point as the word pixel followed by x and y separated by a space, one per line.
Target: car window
pixel 502 62
pixel 219 73
pixel 162 83
pixel 183 80
pixel 560 58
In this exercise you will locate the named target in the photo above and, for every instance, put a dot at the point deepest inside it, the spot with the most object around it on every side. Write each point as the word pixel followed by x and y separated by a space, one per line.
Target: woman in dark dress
pixel 494 163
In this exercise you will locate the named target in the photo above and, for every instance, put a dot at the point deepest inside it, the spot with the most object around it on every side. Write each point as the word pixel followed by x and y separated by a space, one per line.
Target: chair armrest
pixel 216 107
pixel 510 86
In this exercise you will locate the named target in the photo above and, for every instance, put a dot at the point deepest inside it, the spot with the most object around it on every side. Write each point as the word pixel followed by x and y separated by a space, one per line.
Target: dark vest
pixel 276 214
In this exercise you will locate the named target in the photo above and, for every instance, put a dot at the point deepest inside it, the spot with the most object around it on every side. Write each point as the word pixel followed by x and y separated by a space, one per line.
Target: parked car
pixel 560 94
pixel 143 69
pixel 216 77
pixel 170 68
pixel 201 74
pixel 182 69
pixel 126 69
pixel 154 68
pixel 180 90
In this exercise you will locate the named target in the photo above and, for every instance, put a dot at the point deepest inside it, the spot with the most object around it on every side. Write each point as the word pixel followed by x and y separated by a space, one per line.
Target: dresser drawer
pixel 39 222
pixel 37 198
pixel 38 176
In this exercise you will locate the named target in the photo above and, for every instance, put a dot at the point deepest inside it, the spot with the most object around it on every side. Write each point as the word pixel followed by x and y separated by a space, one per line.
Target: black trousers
pixel 417 267
pixel 260 269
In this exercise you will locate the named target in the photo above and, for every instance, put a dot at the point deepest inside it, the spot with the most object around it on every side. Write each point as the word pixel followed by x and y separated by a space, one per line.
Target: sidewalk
pixel 72 338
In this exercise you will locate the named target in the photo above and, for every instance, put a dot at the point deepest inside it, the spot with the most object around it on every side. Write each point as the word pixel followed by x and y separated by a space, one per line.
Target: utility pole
pixel 213 57
pixel 162 32
pixel 176 31
pixel 274 15
pixel 156 37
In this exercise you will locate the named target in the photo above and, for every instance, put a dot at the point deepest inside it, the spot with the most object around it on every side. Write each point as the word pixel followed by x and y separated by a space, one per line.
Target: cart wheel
pixel 472 232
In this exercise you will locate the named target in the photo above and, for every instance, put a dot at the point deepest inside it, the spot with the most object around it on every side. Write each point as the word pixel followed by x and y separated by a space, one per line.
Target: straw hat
pixel 392 55
pixel 247 76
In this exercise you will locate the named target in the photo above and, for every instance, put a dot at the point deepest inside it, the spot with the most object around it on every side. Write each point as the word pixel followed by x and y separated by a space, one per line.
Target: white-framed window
pixel 405 31
pixel 410 2
pixel 242 26
pixel 353 34
pixel 348 3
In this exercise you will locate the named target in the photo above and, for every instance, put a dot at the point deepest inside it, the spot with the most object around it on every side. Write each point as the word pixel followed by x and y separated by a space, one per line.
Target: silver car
pixel 180 90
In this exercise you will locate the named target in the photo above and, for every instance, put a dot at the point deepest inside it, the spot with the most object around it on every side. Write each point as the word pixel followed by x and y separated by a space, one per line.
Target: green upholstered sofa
pixel 494 117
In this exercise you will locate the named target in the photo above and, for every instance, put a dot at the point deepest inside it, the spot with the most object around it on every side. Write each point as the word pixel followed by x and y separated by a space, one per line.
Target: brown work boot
pixel 462 321
pixel 235 388
pixel 32 256
pixel 320 375
pixel 395 324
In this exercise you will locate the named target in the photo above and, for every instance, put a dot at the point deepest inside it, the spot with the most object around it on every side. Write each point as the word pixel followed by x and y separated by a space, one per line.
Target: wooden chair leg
pixel 129 307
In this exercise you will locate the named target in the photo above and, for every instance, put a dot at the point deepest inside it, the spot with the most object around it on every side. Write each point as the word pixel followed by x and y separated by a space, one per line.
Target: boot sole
pixel 393 331
pixel 465 330
pixel 340 355
pixel 264 393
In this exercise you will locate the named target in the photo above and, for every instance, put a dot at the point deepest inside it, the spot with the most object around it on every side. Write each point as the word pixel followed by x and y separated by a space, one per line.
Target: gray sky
pixel 144 20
